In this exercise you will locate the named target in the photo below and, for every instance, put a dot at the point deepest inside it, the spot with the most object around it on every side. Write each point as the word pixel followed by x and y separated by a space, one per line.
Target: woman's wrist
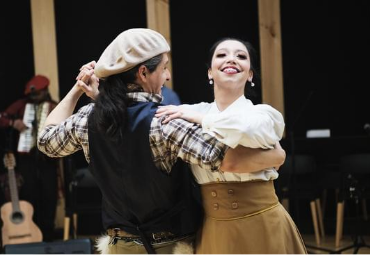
pixel 76 92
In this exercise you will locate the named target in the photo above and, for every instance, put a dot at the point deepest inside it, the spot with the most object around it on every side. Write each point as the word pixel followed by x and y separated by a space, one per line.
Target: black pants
pixel 39 187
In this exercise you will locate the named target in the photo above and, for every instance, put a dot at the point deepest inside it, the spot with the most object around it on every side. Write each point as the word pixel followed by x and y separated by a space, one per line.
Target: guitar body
pixel 18 227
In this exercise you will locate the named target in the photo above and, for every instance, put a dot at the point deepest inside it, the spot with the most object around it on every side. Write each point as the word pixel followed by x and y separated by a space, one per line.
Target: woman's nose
pixel 231 59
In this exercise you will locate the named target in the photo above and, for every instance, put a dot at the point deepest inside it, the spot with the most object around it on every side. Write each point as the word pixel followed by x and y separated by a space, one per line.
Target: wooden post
pixel 44 43
pixel 271 56
pixel 158 19
pixel 46 63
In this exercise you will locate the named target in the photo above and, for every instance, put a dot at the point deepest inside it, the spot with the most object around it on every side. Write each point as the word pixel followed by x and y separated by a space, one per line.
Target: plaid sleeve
pixel 185 140
pixel 68 137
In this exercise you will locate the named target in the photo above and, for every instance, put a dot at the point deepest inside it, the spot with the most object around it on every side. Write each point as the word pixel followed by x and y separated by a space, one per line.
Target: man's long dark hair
pixel 110 111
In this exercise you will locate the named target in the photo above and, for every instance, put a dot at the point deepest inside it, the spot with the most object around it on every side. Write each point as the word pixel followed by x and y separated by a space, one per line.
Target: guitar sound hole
pixel 17 217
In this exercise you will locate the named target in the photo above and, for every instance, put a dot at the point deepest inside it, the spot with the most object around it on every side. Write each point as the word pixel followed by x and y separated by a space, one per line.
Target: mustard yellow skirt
pixel 246 217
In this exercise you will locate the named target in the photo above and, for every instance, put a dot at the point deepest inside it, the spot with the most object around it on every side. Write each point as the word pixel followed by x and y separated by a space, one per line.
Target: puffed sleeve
pixel 255 126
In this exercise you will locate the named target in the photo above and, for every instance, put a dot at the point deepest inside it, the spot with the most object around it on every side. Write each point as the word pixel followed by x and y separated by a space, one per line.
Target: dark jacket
pixel 136 194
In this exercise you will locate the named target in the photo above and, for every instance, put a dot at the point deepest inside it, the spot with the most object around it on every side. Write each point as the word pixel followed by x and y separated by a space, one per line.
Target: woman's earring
pixel 252 83
pixel 210 81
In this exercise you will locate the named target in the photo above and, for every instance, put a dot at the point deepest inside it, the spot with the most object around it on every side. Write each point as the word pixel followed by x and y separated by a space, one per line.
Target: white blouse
pixel 254 126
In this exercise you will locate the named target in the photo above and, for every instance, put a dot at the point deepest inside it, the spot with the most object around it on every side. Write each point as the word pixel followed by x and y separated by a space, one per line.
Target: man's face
pixel 160 75
pixel 39 96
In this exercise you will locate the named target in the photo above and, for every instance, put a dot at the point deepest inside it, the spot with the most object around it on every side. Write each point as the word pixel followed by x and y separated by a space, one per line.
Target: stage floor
pixel 328 243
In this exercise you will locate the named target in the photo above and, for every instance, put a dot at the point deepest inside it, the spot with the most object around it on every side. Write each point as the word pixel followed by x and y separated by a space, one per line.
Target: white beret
pixel 129 49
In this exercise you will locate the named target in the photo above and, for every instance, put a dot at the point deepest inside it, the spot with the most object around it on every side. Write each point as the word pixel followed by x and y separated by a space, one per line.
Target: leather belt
pixel 154 237
pixel 117 232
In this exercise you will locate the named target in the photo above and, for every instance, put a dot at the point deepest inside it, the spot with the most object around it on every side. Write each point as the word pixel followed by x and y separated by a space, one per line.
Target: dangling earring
pixel 210 81
pixel 252 83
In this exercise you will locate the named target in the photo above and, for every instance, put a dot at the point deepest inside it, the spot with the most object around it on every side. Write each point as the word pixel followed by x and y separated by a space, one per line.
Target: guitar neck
pixel 13 189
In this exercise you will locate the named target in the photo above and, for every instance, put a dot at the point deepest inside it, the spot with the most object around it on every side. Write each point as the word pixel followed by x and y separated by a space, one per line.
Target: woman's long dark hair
pixel 110 111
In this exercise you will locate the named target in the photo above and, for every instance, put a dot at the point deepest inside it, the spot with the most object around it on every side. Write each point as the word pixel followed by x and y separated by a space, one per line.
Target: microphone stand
pixel 358 239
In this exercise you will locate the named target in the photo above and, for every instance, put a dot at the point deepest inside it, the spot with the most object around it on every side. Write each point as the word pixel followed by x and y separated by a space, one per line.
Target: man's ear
pixel 142 72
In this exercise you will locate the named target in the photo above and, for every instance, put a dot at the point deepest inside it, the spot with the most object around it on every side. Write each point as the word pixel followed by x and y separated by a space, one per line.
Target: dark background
pixel 325 47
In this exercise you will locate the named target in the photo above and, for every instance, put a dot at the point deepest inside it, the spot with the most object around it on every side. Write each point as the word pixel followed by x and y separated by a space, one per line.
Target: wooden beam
pixel 46 62
pixel 158 19
pixel 271 53
pixel 44 43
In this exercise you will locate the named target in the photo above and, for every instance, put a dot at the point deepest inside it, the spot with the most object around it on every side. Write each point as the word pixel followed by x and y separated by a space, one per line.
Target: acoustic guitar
pixel 18 226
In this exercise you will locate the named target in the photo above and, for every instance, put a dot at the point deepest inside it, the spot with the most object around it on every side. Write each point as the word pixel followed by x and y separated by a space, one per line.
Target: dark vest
pixel 136 194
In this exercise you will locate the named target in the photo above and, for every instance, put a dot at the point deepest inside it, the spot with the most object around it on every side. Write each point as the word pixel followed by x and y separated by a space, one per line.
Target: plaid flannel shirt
pixel 178 138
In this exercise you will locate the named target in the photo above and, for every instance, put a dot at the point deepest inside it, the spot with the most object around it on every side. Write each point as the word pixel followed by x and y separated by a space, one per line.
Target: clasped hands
pixel 87 81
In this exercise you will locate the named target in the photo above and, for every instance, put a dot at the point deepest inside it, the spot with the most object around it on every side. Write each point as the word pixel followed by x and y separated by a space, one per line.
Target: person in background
pixel 147 202
pixel 25 117
pixel 242 212
pixel 170 97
